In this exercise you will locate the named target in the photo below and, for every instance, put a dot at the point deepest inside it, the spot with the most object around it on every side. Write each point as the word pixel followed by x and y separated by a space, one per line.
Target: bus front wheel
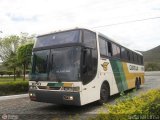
pixel 104 94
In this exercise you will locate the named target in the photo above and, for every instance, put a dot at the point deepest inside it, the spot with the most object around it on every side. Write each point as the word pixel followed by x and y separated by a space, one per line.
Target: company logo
pixel 9 117
pixel 104 65
pixel 4 116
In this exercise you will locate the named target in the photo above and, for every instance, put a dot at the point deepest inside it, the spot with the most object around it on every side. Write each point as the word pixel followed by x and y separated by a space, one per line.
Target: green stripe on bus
pixel 119 75
pixel 55 84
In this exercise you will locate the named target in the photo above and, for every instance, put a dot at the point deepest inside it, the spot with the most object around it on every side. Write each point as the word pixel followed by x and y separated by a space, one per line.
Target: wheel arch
pixel 106 83
pixel 136 80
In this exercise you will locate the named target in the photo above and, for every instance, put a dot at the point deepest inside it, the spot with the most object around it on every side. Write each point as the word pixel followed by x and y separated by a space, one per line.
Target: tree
pixel 152 66
pixel 26 38
pixel 12 63
pixel 24 56
pixel 8 46
pixel 8 50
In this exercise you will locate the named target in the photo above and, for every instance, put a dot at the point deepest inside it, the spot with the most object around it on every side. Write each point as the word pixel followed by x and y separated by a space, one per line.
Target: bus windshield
pixel 72 36
pixel 60 64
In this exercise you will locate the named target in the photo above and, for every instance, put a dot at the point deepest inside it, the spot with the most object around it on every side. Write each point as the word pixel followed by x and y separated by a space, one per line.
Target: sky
pixel 44 16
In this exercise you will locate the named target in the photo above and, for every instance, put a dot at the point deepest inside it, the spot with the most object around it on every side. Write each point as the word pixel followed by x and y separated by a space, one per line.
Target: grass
pixel 10 79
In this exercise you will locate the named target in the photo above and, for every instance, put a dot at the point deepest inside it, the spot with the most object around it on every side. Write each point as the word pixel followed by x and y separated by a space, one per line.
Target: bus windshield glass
pixel 72 36
pixel 60 64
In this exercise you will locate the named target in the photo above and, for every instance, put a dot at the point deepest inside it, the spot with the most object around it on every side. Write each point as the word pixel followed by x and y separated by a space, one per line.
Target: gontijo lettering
pixel 133 67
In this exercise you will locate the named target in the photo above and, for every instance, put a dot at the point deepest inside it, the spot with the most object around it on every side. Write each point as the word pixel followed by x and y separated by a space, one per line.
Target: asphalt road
pixel 23 108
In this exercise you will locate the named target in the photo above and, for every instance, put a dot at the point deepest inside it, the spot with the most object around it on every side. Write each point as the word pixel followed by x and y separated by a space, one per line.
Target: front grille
pixel 54 88
pixel 42 87
pixel 49 88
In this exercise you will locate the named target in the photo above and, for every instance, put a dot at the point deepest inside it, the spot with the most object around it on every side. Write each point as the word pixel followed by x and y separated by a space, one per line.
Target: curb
pixel 13 97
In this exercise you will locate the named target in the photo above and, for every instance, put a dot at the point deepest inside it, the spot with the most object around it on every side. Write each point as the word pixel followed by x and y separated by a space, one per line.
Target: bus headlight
pixel 32 94
pixel 71 97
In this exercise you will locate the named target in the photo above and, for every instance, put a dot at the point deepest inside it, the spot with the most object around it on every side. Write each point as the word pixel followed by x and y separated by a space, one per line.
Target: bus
pixel 79 66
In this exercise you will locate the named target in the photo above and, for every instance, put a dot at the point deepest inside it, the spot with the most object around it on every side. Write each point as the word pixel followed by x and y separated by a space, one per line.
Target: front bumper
pixel 56 97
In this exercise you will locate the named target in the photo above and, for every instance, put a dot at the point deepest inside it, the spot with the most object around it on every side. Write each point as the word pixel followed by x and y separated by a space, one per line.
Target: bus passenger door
pixel 89 70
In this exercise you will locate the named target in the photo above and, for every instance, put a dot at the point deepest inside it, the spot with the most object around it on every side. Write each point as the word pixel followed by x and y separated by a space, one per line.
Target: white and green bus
pixel 80 66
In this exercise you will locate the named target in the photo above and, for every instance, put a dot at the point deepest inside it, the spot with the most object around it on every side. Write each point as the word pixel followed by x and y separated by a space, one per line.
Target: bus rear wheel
pixel 104 94
pixel 137 84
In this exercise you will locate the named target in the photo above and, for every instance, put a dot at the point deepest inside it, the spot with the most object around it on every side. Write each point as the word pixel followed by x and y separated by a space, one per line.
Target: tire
pixel 137 84
pixel 104 94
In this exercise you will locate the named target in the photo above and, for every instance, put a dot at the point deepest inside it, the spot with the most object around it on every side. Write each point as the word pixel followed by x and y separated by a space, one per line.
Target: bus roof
pixel 92 31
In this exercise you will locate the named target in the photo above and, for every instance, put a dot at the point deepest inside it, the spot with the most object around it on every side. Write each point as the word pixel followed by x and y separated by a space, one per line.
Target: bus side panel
pixel 119 75
pixel 131 72
pixel 125 74
pixel 106 73
pixel 91 91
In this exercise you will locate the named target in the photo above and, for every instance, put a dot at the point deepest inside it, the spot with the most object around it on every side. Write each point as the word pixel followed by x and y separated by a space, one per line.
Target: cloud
pixel 41 16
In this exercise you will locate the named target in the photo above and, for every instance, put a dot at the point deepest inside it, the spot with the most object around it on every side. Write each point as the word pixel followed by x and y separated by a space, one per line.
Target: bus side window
pixel 106 43
pixel 128 56
pixel 139 59
pixel 116 51
pixel 135 58
pixel 142 60
pixel 109 49
pixel 102 47
pixel 124 54
pixel 89 38
pixel 131 56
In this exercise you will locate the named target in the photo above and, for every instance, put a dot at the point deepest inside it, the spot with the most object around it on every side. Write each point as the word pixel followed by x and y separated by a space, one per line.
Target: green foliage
pixel 152 66
pixel 8 52
pixel 26 38
pixel 8 46
pixel 146 104
pixel 10 79
pixel 8 88
pixel 9 73
pixel 11 62
pixel 24 53
pixel 2 73
pixel 152 59
pixel 24 56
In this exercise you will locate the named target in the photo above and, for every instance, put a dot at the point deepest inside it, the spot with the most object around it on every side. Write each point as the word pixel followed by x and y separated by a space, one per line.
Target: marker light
pixel 67 97
pixel 30 94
